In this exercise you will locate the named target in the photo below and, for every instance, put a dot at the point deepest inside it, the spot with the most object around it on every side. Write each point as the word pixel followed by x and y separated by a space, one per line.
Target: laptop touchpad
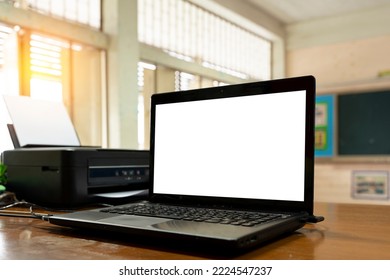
pixel 202 229
pixel 133 221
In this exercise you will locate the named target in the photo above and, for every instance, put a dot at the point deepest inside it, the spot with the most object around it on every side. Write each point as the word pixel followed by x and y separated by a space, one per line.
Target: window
pixel 193 34
pixel 146 85
pixel 53 69
pixel 185 81
pixel 9 79
pixel 46 66
pixel 86 12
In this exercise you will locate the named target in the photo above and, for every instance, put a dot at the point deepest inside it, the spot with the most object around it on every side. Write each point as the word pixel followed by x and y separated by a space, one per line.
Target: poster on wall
pixel 370 184
pixel 324 126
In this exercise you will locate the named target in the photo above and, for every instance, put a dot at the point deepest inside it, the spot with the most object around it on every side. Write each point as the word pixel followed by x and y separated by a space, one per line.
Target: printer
pixel 76 176
pixel 50 168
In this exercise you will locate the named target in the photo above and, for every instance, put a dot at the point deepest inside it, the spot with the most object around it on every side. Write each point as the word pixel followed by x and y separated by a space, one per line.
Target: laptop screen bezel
pixel 306 83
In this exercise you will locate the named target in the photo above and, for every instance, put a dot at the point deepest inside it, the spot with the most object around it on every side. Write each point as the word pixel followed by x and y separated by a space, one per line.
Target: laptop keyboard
pixel 243 218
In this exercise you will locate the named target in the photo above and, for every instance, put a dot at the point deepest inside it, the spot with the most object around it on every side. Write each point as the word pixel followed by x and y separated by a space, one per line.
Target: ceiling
pixel 292 11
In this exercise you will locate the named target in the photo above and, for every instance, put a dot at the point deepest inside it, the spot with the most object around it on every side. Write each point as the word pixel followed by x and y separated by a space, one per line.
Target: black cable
pixel 31 213
pixel 22 214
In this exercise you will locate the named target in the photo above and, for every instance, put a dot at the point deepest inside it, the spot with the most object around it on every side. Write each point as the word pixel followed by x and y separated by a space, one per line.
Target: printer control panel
pixel 121 175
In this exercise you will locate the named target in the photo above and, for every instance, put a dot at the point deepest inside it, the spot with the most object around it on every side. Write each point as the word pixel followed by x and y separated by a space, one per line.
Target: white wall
pixel 341 51
pixel 345 54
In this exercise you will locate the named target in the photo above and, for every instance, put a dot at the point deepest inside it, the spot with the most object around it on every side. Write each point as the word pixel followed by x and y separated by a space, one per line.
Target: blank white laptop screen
pixel 243 147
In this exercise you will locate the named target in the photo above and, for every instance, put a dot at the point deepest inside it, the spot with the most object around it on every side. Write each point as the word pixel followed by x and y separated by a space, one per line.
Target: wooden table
pixel 349 232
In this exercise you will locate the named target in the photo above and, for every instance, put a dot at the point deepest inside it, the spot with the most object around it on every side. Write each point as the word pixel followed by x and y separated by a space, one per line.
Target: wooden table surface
pixel 349 231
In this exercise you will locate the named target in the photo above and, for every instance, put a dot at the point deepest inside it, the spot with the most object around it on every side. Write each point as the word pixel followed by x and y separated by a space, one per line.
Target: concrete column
pixel 120 23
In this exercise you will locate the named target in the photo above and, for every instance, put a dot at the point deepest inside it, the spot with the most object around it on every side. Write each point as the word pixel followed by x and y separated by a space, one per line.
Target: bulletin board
pixel 324 120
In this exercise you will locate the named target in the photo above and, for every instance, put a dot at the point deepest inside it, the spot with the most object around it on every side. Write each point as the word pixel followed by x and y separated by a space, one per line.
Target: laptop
pixel 243 155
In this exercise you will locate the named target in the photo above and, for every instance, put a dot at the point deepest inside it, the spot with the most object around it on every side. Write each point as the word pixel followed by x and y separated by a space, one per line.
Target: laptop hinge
pixel 313 219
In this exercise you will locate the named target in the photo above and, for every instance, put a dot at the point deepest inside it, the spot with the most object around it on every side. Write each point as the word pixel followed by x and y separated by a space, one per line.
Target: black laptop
pixel 231 167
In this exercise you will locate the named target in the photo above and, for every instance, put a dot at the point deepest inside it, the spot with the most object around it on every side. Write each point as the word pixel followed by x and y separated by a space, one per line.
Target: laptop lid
pixel 248 146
